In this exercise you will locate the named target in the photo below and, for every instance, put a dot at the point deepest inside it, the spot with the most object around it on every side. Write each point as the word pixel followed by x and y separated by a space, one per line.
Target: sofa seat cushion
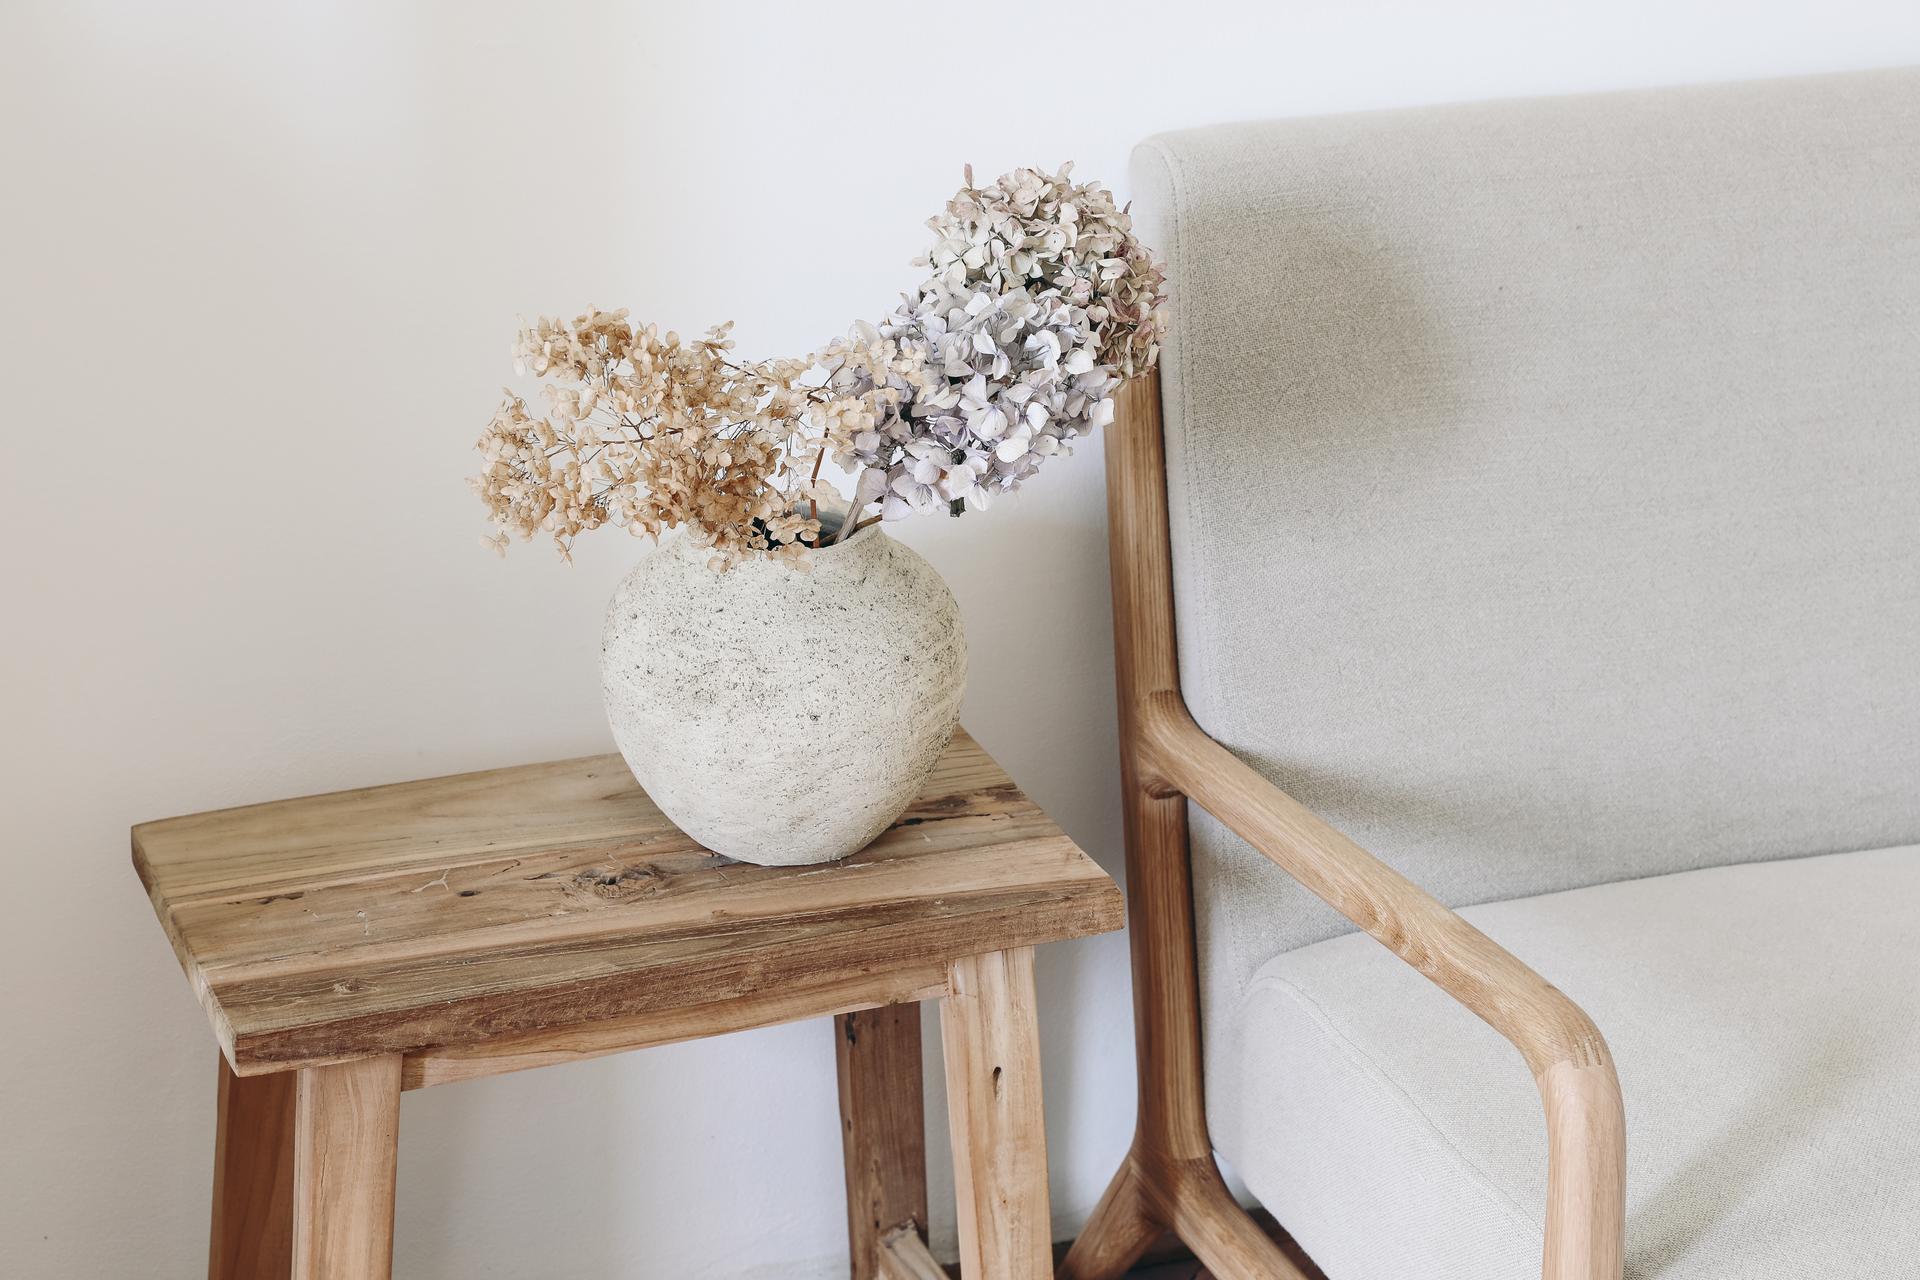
pixel 1765 1022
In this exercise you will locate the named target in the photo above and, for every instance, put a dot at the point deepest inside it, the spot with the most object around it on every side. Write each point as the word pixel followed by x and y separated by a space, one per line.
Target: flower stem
pixel 814 479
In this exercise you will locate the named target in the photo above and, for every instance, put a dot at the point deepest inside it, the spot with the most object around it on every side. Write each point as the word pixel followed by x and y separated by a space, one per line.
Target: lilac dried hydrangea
pixel 1040 300
pixel 1047 233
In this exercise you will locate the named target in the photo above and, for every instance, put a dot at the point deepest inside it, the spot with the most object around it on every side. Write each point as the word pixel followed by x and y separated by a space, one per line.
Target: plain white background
pixel 259 266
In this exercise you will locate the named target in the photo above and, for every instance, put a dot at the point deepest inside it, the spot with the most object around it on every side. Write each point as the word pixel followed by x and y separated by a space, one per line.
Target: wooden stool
pixel 350 946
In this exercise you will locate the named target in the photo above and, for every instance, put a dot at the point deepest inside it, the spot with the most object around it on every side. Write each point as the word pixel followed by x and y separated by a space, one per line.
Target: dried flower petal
pixel 1040 300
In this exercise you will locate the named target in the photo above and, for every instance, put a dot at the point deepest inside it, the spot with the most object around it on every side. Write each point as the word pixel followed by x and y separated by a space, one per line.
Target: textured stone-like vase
pixel 780 716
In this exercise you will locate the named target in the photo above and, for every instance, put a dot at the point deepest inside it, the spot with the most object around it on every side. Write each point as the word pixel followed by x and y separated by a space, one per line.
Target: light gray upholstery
pixel 1544 481
pixel 1765 1019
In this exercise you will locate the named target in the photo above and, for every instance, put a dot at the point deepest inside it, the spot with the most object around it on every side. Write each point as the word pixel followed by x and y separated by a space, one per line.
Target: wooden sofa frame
pixel 1169 1181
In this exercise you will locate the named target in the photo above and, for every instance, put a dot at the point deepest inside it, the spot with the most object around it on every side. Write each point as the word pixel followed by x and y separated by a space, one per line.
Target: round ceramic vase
pixel 783 716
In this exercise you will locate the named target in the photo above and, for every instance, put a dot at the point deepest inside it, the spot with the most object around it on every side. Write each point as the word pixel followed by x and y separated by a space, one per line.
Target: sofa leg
pixel 1224 1236
pixel 1188 1197
pixel 1121 1228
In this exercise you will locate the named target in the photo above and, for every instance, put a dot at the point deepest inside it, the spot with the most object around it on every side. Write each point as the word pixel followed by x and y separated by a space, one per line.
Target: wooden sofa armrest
pixel 1586 1123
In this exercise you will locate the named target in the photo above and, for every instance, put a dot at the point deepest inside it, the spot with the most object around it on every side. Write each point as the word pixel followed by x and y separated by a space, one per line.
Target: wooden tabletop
pixel 458 910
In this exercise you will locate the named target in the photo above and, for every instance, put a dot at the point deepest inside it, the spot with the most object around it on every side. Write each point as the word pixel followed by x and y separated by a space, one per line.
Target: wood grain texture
pixel 252 1237
pixel 990 1033
pixel 1586 1172
pixel 1543 1024
pixel 1122 1226
pixel 904 1256
pixel 882 1129
pixel 1169 1258
pixel 1586 1123
pixel 1229 1240
pixel 1171 1167
pixel 447 912
pixel 449 1064
pixel 346 1142
pixel 1167 760
pixel 1159 876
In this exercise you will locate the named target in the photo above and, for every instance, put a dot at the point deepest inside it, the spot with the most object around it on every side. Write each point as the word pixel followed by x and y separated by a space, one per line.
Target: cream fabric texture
pixel 1544 481
pixel 1765 1021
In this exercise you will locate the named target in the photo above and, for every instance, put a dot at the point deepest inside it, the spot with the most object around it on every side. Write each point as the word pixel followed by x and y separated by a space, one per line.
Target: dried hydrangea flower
pixel 1040 300
pixel 647 433
pixel 1048 233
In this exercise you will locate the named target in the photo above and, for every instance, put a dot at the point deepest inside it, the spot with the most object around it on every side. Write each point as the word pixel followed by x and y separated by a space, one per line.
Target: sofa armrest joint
pixel 1569 1059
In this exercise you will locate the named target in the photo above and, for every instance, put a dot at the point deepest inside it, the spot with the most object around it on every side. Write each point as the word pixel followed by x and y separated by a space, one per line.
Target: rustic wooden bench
pixel 350 946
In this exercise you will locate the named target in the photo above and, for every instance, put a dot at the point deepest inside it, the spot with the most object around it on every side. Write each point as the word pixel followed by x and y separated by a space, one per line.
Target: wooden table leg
pixel 882 1128
pixel 252 1178
pixel 990 1030
pixel 346 1140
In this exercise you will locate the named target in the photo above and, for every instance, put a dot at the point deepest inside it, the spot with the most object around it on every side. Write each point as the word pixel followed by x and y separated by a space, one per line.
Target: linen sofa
pixel 1532 494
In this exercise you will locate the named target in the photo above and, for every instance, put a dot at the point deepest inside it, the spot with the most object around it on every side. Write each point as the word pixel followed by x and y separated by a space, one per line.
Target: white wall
pixel 259 265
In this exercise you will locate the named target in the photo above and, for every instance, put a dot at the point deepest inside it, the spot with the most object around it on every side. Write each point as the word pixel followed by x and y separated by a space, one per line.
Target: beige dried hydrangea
pixel 645 432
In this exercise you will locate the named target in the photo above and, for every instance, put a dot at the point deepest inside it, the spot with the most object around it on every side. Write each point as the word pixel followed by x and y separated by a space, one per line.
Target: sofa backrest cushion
pixel 1544 480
